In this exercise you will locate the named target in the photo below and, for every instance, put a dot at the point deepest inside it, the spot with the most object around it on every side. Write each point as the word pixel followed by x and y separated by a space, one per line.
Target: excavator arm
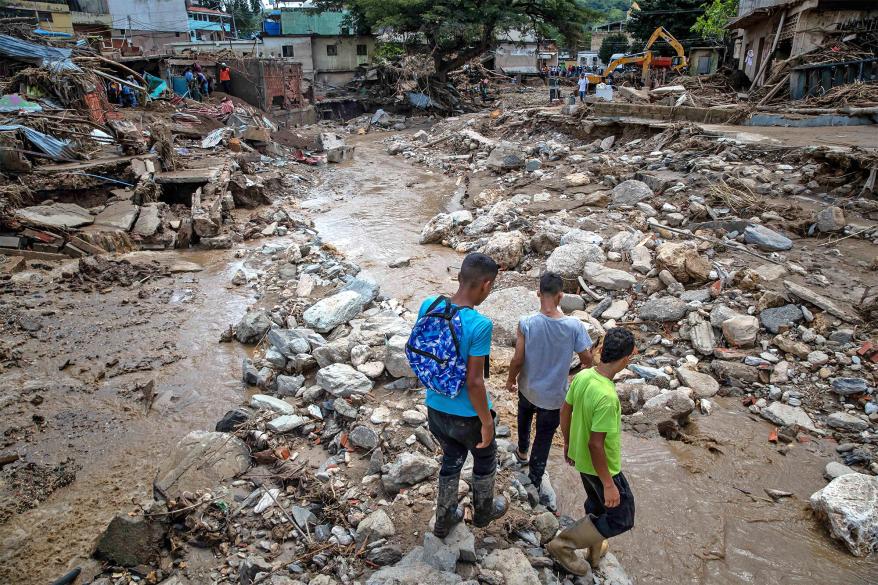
pixel 661 32
pixel 642 58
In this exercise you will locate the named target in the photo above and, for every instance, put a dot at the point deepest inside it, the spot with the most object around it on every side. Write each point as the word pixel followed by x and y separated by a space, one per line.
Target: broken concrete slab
pixel 117 216
pixel 59 215
pixel 184 176
pixel 148 221
pixel 818 300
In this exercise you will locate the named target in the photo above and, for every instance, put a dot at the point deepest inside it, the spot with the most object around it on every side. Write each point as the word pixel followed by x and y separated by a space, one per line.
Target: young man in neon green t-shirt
pixel 591 422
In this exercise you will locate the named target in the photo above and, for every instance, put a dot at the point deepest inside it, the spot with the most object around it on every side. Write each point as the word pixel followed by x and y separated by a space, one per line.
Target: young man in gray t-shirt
pixel 539 371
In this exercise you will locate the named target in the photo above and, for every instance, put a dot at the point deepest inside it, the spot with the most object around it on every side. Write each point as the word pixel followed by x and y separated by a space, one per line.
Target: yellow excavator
pixel 647 59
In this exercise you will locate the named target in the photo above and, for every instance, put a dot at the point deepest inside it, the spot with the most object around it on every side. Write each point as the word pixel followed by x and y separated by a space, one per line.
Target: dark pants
pixel 227 86
pixel 459 435
pixel 609 521
pixel 547 423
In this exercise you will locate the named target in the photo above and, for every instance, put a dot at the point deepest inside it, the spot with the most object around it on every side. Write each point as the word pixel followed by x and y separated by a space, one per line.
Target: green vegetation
pixel 677 16
pixel 455 31
pixel 712 23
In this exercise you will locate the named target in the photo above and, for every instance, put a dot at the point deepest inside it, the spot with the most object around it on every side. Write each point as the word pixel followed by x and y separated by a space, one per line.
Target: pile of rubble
pixel 723 280
pixel 328 472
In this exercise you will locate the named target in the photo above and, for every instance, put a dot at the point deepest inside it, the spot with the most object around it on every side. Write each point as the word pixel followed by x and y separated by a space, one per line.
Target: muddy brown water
pixel 695 523
pixel 107 432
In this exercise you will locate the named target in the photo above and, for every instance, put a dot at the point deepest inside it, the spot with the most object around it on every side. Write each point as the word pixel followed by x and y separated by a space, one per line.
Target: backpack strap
pixel 435 304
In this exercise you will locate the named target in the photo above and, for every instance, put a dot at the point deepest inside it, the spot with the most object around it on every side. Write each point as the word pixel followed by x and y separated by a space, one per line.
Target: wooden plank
pixel 86 246
pixel 31 255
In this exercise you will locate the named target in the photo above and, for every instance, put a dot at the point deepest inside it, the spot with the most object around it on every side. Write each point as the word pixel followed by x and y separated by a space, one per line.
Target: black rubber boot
pixel 448 513
pixel 487 507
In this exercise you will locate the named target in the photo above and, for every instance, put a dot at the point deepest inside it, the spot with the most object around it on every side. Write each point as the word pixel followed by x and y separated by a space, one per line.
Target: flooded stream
pixel 107 432
pixel 702 514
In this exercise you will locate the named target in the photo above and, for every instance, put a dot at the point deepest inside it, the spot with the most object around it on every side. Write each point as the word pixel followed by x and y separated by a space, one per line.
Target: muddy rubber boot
pixel 579 535
pixel 487 507
pixel 448 513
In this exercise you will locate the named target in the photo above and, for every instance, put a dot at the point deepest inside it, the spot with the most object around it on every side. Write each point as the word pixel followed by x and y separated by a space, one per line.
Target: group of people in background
pixel 565 70
pixel 200 85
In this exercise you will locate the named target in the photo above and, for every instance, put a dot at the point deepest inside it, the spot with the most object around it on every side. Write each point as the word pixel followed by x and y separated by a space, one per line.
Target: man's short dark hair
pixel 551 283
pixel 477 268
pixel 618 343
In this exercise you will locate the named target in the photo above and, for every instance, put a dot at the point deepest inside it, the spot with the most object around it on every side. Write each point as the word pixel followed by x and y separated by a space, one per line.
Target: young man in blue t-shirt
pixel 465 424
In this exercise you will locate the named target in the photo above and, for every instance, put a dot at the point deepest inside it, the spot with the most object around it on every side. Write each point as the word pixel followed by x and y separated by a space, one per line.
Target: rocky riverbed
pixel 297 451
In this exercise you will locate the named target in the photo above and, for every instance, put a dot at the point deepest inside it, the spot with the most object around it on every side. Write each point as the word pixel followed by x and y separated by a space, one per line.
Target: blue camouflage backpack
pixel 433 348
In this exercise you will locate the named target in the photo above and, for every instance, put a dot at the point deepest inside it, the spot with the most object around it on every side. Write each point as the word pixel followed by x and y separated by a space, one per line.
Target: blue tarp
pixel 52 33
pixel 420 100
pixel 56 148
pixel 34 53
pixel 157 85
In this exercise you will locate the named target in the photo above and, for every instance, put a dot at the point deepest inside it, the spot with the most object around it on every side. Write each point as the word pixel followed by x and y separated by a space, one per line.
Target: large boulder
pixel 829 220
pixel 130 541
pixel 409 469
pixel 568 260
pixel 342 381
pixel 741 331
pixel 288 342
pixel 505 308
pixel 252 326
pixel 682 261
pixel 849 505
pixel 437 229
pixel 785 415
pixel 703 385
pixel 506 248
pixel 673 404
pixel 514 565
pixel 201 460
pixel 608 278
pixel 395 360
pixel 375 526
pixel 413 570
pixel 778 318
pixel 663 309
pixel 631 192
pixel 505 156
pixel 766 239
pixel 327 314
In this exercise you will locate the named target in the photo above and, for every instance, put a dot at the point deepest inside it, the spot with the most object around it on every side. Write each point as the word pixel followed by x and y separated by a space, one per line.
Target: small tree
pixel 615 43
pixel 712 24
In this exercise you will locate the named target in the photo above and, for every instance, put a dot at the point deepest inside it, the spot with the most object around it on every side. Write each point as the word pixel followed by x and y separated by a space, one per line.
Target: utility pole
pixel 128 32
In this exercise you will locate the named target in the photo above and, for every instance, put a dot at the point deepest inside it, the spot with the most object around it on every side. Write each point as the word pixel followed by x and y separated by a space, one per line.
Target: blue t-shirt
pixel 475 341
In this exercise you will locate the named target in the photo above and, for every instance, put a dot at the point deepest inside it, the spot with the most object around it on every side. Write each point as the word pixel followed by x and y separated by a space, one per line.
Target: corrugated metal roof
pixel 34 53
pixel 306 22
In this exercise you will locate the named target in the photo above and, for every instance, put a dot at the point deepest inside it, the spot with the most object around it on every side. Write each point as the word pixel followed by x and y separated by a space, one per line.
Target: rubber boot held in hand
pixel 487 507
pixel 579 535
pixel 448 513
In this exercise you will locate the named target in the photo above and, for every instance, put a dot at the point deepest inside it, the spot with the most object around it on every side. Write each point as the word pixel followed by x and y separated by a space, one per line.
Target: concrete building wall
pixel 300 47
pixel 150 15
pixel 515 56
pixel 812 23
pixel 345 58
pixel 59 20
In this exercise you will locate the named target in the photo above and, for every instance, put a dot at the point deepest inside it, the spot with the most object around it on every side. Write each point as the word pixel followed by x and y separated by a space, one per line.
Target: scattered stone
pixel 631 192
pixel 505 308
pixel 849 505
pixel 130 541
pixel 849 386
pixel 439 555
pixel 514 565
pixel 830 220
pixel 375 526
pixel 846 422
pixel 780 318
pixel 741 331
pixel 547 525
pixel 201 460
pixel 663 309
pixel 506 248
pixel 363 437
pixel 766 239
pixel 327 314
pixel 569 260
pixel 785 415
pixel 252 326
pixel 341 380
pixel 608 278
pixel 265 402
pixel 408 469
pixel 703 385
pixel 835 469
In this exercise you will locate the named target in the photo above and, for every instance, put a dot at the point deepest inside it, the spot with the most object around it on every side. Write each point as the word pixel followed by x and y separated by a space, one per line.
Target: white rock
pixel 849 504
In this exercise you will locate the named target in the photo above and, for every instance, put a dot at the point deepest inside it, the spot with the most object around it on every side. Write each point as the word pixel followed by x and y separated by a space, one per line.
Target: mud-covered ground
pixel 77 367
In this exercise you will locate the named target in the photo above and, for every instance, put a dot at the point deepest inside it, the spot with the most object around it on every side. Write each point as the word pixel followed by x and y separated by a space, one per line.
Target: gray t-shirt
pixel 549 345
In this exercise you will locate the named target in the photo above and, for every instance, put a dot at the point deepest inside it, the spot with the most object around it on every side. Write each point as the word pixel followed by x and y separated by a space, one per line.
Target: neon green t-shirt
pixel 596 408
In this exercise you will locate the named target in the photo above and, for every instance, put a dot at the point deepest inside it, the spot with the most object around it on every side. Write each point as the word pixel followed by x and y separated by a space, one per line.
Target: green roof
pixel 299 21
